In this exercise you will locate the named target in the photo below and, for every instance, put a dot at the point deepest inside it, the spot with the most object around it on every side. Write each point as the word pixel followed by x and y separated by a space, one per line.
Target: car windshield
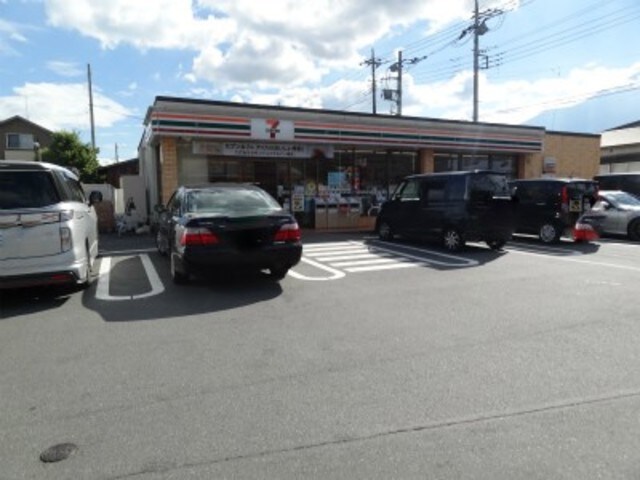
pixel 230 201
pixel 623 199
pixel 19 189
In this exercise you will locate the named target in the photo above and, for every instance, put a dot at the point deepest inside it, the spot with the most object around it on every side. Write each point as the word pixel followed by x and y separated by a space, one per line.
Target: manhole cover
pixel 58 452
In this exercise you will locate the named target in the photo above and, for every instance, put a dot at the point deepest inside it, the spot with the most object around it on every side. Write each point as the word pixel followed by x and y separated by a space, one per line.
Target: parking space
pixel 133 271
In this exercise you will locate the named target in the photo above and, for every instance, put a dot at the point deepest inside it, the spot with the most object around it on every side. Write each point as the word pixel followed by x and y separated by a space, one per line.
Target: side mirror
pixel 159 208
pixel 95 197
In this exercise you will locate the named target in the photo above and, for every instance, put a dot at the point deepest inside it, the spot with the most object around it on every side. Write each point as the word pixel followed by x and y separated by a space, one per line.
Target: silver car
pixel 48 228
pixel 616 213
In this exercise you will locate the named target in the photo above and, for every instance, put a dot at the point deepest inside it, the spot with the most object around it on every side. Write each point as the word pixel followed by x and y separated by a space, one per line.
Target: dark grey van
pixel 550 207
pixel 452 207
pixel 627 182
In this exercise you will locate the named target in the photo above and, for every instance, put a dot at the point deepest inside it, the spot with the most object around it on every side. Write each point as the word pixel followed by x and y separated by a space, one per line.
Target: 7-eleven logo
pixel 272 127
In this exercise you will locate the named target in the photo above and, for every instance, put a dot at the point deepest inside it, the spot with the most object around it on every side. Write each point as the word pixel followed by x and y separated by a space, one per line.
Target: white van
pixel 48 228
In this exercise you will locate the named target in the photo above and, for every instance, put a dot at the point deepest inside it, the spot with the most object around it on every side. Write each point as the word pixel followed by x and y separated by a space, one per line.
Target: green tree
pixel 68 150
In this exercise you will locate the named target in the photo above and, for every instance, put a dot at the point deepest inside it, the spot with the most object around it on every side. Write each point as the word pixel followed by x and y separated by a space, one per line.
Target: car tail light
pixel 65 239
pixel 564 196
pixel 289 232
pixel 583 232
pixel 198 236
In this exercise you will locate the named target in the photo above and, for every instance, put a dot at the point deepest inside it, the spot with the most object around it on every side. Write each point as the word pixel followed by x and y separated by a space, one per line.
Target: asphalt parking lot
pixel 369 360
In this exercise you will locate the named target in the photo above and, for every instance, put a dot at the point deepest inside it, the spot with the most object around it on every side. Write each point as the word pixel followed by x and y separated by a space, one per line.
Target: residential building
pixel 21 139
pixel 620 149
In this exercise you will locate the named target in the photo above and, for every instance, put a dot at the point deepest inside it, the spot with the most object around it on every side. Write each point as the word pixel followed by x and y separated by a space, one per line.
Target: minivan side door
pixel 406 207
pixel 535 205
pixel 433 206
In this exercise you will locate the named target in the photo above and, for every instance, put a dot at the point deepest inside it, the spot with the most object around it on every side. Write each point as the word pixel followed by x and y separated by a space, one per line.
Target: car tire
pixel 162 244
pixel 278 273
pixel 496 244
pixel 385 232
pixel 178 277
pixel 549 233
pixel 633 230
pixel 452 240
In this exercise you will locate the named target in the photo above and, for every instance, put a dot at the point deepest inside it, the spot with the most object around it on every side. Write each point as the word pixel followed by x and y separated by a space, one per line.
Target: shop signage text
pixel 262 150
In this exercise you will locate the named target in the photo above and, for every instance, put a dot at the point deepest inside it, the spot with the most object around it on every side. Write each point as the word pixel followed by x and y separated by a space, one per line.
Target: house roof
pixel 625 126
pixel 19 118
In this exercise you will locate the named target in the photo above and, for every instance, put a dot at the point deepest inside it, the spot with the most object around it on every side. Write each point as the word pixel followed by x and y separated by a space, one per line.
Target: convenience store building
pixel 342 163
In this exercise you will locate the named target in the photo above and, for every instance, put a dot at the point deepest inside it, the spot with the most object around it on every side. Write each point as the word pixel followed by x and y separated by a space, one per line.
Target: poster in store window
pixel 297 202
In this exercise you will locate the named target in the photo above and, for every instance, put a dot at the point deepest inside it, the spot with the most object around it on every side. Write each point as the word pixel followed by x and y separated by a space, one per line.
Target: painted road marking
pixel 357 256
pixel 102 291
pixel 335 274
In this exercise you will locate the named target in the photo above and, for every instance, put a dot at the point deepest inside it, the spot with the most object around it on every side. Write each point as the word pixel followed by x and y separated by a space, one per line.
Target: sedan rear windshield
pixel 230 201
pixel 27 190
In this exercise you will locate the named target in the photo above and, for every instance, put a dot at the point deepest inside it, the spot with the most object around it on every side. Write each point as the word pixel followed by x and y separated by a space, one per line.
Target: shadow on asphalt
pixel 226 291
pixel 27 301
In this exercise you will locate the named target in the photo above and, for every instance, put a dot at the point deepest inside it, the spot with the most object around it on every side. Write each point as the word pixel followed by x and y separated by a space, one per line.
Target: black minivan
pixel 452 207
pixel 550 207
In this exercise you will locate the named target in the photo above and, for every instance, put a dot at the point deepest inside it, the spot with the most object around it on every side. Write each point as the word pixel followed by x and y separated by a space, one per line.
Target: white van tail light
pixel 65 239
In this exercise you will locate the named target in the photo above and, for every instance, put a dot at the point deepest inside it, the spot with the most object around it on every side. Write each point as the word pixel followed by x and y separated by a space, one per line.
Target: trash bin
pixel 332 213
pixel 320 208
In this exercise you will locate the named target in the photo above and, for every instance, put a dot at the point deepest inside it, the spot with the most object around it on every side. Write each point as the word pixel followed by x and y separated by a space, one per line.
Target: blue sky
pixel 571 65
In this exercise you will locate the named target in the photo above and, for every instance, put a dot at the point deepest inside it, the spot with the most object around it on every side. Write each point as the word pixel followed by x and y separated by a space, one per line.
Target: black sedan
pixel 223 227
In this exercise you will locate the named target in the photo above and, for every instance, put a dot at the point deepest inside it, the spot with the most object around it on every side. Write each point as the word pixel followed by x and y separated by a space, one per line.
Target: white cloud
pixel 241 42
pixel 515 101
pixel 10 33
pixel 65 69
pixel 142 23
pixel 62 106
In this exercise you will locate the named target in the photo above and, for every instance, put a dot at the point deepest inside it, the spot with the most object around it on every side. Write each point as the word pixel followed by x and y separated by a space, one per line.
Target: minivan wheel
pixel 549 233
pixel 178 277
pixel 452 240
pixel 634 230
pixel 384 231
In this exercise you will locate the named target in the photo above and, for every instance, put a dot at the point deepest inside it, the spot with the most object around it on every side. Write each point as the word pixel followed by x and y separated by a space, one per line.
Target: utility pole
pixel 398 67
pixel 478 28
pixel 476 52
pixel 374 63
pixel 399 83
pixel 93 128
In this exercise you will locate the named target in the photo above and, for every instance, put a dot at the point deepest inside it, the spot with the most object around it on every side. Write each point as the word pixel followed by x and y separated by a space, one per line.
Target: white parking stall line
pixel 334 258
pixel 328 251
pixel 371 260
pixel 356 256
pixel 454 260
pixel 546 249
pixel 382 267
pixel 335 274
pixel 579 260
pixel 102 290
